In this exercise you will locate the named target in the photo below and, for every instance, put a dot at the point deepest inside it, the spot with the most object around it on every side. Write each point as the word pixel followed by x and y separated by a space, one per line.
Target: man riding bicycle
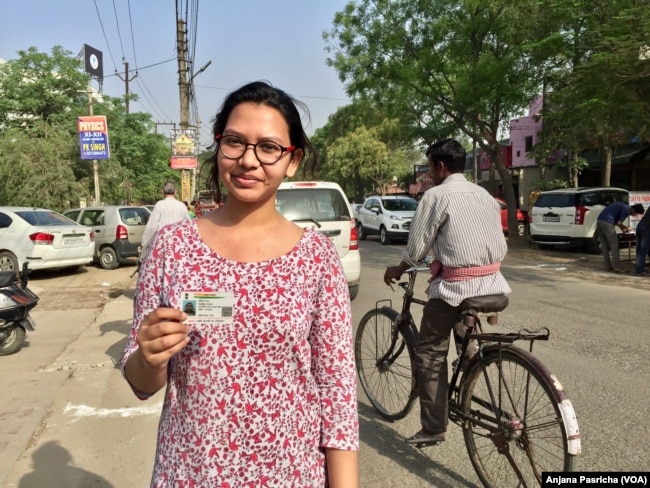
pixel 459 222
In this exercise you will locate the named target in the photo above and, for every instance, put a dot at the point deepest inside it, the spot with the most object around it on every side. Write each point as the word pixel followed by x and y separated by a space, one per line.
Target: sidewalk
pixel 94 433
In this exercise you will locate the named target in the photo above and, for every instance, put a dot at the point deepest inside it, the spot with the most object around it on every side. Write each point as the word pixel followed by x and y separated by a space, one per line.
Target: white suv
pixel 389 216
pixel 568 215
pixel 324 207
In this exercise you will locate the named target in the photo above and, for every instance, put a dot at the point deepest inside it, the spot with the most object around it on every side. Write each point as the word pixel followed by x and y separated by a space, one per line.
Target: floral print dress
pixel 255 401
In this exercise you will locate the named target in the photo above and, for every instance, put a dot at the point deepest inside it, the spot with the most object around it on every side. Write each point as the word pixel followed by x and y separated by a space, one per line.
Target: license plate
pixel 74 239
pixel 550 219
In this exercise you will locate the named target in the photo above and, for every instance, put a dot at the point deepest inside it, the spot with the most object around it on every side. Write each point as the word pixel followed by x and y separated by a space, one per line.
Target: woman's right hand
pixel 161 335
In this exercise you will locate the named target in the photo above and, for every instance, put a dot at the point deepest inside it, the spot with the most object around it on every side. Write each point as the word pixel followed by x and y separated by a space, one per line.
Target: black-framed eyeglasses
pixel 266 152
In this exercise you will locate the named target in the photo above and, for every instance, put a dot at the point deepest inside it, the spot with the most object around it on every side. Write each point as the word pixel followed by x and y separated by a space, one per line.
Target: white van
pixel 323 206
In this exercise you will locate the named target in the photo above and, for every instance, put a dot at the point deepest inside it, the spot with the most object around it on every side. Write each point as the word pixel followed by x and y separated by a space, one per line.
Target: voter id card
pixel 211 308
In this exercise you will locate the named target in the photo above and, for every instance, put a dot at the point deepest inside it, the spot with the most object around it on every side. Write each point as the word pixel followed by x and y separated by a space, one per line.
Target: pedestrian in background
pixel 642 242
pixel 614 215
pixel 166 211
pixel 260 383
pixel 190 210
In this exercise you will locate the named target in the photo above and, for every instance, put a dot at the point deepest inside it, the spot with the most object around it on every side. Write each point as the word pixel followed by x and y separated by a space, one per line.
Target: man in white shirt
pixel 459 223
pixel 166 211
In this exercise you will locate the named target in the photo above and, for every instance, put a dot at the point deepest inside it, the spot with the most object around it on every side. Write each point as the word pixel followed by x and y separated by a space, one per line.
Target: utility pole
pixel 184 92
pixel 126 83
pixel 184 87
pixel 95 164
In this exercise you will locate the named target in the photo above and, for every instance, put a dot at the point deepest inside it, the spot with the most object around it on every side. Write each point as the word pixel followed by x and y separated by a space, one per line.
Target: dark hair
pixel 169 188
pixel 638 208
pixel 450 152
pixel 262 93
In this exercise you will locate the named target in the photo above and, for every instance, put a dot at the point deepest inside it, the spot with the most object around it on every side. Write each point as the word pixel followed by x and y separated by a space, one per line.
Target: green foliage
pixel 543 185
pixel 41 97
pixel 38 86
pixel 36 168
pixel 364 151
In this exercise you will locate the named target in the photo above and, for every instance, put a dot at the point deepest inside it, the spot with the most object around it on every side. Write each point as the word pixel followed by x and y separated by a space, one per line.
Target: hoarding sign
pixel 93 137
pixel 184 149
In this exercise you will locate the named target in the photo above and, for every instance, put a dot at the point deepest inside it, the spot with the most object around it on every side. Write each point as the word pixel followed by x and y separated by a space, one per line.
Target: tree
pixel 443 66
pixel 37 86
pixel 41 97
pixel 35 168
pixel 363 150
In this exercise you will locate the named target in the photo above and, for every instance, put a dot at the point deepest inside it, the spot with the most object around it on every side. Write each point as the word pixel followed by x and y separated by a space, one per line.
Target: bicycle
pixel 516 418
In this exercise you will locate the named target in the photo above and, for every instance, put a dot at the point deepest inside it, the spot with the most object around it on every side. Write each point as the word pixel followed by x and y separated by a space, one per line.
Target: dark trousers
pixel 609 242
pixel 438 320
pixel 642 248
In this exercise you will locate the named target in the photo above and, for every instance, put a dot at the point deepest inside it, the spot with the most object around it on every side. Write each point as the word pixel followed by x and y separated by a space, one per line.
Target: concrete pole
pixel 95 164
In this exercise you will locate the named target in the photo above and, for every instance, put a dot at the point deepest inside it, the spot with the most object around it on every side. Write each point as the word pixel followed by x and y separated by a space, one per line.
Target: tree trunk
pixel 606 166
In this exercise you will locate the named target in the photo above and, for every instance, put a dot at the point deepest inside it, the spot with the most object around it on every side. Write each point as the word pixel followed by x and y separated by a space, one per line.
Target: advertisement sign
pixel 184 149
pixel 93 137
pixel 642 197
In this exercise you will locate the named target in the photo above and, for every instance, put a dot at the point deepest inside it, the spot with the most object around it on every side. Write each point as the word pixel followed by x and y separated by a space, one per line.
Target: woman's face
pixel 246 178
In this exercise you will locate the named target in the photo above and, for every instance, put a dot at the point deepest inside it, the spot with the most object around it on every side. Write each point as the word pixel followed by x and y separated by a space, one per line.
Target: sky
pixel 244 40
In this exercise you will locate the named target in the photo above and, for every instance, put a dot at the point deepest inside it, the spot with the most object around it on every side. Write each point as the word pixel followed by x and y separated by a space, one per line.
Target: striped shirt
pixel 459 222
pixel 167 211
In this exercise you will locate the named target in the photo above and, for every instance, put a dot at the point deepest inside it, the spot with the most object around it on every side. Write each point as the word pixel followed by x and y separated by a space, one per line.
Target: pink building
pixel 524 134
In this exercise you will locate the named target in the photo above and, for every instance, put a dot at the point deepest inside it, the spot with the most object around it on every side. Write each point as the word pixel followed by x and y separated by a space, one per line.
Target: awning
pixel 620 155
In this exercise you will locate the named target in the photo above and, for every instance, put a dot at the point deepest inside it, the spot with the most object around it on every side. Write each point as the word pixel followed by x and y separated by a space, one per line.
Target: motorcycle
pixel 16 301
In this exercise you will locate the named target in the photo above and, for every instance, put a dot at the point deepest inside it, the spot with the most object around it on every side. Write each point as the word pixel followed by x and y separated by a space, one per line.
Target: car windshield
pixel 400 204
pixel 312 204
pixel 134 215
pixel 555 200
pixel 44 217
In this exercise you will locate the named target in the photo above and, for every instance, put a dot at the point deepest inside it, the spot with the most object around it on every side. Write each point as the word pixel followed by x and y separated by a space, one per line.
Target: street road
pixel 70 419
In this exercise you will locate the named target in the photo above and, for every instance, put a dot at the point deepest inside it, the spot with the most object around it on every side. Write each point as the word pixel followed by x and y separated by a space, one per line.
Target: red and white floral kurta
pixel 255 402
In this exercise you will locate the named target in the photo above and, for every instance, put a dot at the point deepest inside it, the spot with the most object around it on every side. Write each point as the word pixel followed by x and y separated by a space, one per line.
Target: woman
pixel 260 384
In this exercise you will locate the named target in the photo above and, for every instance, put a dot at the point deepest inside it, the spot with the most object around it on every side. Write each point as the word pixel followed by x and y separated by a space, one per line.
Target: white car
pixel 324 207
pixel 388 216
pixel 43 238
pixel 568 216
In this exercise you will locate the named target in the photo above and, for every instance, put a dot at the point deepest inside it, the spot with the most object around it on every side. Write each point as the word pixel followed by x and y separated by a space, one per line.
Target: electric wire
pixel 99 17
pixel 119 34
pixel 135 59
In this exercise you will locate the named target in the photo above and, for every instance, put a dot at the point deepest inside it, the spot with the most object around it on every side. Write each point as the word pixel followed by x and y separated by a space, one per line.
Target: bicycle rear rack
pixel 541 334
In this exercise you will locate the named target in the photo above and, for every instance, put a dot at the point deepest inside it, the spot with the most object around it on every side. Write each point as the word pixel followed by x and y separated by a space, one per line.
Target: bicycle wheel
pixel 385 363
pixel 516 429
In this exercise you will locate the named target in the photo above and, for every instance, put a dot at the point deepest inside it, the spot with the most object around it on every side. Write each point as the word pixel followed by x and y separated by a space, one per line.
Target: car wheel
pixel 8 261
pixel 521 229
pixel 354 291
pixel 383 236
pixel 594 246
pixel 108 258
pixel 361 235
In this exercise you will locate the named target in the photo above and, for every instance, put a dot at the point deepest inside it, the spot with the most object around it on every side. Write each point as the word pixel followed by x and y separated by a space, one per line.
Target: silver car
pixel 118 231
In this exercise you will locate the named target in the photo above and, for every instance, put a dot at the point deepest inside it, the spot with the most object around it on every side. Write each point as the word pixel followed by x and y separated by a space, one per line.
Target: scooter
pixel 16 301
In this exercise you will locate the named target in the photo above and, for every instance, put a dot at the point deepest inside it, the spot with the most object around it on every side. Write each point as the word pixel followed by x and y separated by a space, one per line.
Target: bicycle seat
pixel 484 304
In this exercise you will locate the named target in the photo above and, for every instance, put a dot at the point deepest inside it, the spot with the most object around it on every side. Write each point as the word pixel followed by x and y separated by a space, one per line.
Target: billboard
pixel 185 148
pixel 93 62
pixel 93 137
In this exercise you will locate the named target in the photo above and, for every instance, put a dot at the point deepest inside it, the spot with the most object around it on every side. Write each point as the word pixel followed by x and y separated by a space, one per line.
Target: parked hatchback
pixel 323 206
pixel 569 215
pixel 43 238
pixel 118 231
